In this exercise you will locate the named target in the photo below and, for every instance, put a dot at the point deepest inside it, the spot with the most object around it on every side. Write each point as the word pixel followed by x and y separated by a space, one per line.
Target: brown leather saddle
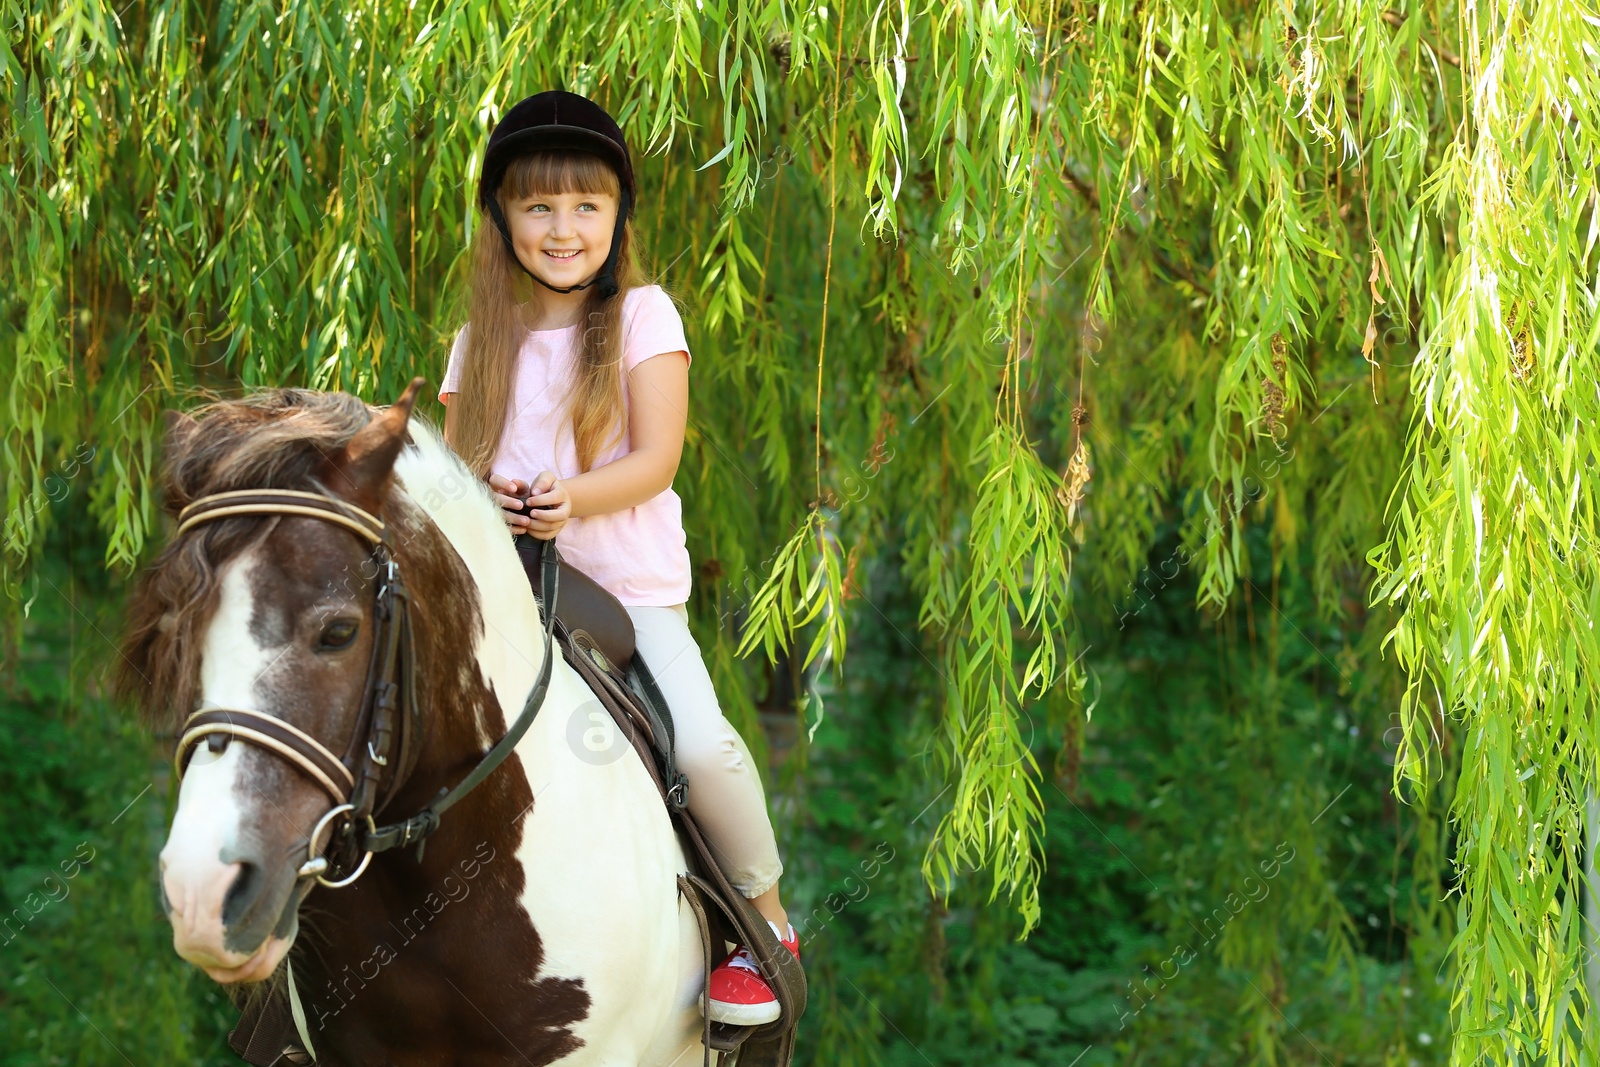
pixel 585 609
pixel 596 637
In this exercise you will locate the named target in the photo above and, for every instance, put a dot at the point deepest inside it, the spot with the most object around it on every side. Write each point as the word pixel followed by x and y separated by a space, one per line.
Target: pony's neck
pixel 505 645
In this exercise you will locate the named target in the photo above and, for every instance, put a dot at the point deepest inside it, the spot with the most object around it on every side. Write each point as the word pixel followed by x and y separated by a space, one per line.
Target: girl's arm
pixel 658 413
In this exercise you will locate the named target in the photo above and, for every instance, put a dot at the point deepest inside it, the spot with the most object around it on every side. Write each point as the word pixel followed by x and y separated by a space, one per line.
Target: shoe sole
pixel 741 1014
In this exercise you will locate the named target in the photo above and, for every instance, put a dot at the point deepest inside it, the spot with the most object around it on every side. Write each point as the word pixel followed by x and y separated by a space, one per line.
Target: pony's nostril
pixel 242 894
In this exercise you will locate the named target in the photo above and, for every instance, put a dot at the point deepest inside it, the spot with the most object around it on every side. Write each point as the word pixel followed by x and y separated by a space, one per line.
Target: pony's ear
pixel 362 470
pixel 180 427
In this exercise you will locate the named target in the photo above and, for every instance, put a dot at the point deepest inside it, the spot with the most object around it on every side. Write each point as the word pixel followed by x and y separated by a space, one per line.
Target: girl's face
pixel 563 238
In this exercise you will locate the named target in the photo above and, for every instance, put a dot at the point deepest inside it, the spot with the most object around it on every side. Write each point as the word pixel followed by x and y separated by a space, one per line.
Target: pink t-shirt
pixel 639 554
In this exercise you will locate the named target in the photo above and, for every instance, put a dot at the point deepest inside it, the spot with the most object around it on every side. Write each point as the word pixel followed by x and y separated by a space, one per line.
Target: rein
pixel 389 726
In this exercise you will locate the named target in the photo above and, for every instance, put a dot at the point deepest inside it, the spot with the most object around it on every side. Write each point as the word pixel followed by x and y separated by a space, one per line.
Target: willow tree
pixel 1002 285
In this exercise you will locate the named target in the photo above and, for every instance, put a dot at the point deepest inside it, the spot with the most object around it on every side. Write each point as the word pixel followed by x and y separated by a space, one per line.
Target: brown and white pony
pixel 543 923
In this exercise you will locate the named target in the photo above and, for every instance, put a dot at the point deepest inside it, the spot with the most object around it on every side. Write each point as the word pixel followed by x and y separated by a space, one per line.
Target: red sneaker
pixel 737 993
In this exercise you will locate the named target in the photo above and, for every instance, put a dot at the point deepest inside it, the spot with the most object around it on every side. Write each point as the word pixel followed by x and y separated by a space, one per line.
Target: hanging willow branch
pixel 213 198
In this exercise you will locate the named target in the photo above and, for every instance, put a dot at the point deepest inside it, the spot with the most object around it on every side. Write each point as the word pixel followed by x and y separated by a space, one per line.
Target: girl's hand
pixel 548 492
pixel 508 494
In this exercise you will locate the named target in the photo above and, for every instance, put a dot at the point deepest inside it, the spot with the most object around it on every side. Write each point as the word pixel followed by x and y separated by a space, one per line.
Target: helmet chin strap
pixel 605 278
pixel 568 289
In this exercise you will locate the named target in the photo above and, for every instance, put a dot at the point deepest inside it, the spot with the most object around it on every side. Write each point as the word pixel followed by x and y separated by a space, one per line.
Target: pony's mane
pixel 428 466
pixel 269 439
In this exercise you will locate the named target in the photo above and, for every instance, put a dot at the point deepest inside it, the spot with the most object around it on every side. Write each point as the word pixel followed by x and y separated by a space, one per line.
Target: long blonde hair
pixel 502 300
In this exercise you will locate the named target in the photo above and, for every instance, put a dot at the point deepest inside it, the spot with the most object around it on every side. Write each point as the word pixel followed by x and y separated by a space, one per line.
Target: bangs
pixel 549 173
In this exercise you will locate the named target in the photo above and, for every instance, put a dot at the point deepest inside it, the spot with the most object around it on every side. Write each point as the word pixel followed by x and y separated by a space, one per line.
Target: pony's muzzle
pixel 226 922
pixel 197 901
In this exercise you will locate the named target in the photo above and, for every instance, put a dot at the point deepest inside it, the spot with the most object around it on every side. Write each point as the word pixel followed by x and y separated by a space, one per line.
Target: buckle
pixel 678 795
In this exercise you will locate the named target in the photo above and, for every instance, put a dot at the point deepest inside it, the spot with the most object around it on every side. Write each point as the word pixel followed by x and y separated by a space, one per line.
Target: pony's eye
pixel 338 635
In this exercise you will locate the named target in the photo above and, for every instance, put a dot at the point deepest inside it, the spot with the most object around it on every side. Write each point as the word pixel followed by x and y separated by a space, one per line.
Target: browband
pixel 271 501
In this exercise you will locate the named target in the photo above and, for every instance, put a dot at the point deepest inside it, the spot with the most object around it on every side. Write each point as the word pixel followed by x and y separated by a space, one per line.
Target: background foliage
pixel 1185 410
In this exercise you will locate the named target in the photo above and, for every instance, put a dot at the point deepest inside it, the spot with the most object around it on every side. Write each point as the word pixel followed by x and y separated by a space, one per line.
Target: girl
pixel 584 378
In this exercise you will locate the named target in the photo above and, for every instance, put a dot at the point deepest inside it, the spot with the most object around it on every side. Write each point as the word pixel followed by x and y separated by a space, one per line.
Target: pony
pixel 542 924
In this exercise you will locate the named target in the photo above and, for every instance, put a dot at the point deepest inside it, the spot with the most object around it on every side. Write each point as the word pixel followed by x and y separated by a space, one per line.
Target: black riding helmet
pixel 558 120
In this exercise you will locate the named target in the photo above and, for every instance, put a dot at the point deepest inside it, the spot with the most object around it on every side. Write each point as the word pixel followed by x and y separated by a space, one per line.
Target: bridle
pixel 388 731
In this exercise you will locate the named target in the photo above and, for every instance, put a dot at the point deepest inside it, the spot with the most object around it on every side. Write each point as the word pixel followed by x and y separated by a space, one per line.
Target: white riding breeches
pixel 725 793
